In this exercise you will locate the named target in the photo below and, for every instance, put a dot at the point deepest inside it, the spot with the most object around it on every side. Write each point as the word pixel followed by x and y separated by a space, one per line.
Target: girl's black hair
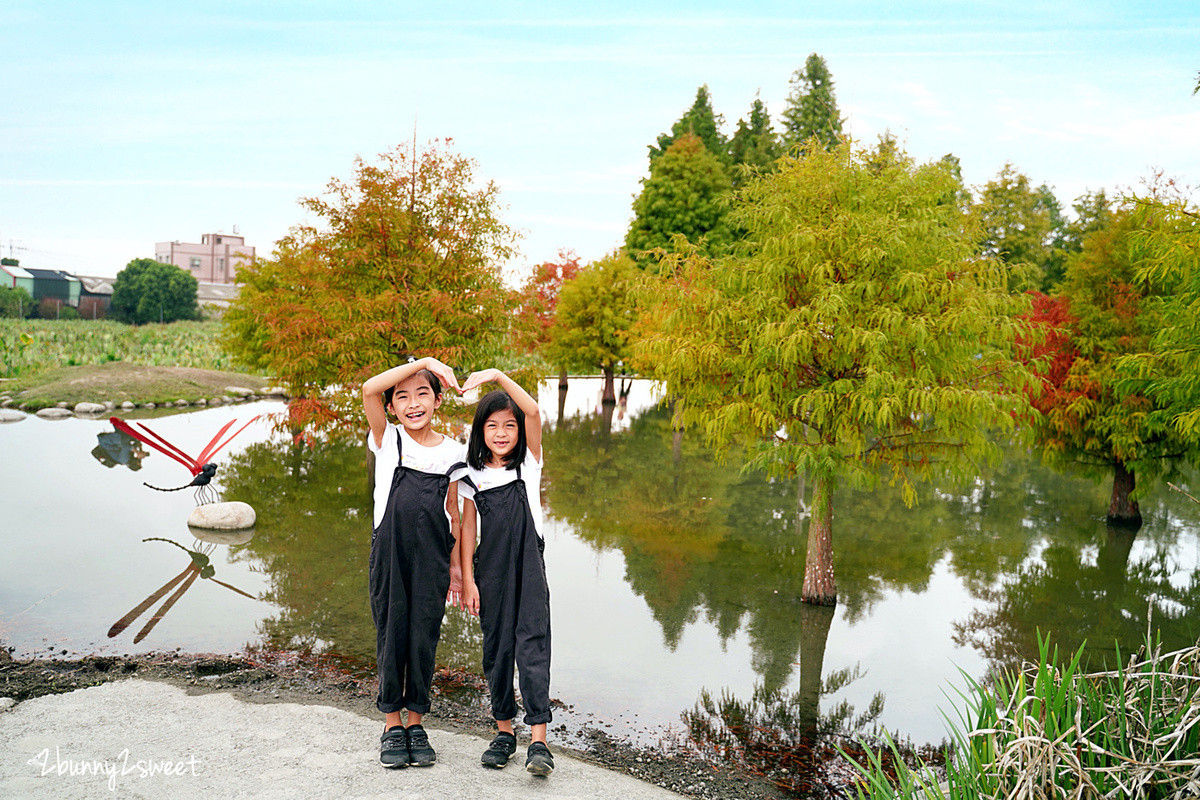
pixel 432 379
pixel 477 451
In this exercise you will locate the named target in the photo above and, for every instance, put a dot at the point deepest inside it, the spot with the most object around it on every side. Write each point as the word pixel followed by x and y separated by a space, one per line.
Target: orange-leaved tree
pixel 536 301
pixel 407 260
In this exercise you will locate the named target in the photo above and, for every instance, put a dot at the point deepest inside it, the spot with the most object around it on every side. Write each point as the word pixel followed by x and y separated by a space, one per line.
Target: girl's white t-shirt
pixel 436 459
pixel 491 477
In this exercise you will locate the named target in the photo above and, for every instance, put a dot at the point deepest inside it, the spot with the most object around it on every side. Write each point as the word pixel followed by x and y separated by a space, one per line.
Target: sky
pixel 127 123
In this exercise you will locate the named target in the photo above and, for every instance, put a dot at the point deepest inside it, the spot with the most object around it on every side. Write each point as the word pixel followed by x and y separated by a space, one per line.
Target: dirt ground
pixel 460 705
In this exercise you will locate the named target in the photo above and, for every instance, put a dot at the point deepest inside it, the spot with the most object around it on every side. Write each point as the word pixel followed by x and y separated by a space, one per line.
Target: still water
pixel 672 575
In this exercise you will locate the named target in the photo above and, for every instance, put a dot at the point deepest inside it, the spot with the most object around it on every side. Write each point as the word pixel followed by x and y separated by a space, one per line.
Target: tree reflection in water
pixel 314 540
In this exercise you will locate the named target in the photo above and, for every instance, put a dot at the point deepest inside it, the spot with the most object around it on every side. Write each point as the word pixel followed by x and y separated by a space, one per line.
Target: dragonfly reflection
pixel 200 567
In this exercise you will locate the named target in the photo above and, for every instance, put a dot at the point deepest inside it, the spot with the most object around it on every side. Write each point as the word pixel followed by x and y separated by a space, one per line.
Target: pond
pixel 673 575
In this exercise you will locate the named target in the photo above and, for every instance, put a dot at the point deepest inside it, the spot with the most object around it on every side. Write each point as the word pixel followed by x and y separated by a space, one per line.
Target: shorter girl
pixel 505 582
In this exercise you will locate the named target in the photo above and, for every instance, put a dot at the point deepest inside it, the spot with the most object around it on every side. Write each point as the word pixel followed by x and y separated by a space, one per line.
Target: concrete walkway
pixel 145 739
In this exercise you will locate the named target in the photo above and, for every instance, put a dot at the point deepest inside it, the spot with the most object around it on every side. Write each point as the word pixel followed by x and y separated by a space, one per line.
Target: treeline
pixel 847 313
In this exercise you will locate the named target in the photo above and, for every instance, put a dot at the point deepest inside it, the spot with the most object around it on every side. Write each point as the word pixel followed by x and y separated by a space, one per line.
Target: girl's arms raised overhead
pixel 529 406
pixel 375 386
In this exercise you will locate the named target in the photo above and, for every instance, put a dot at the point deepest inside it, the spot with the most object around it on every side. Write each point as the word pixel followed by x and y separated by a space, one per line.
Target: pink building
pixel 214 260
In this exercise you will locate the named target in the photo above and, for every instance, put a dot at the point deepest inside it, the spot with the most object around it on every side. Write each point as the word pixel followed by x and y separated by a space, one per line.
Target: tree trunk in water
pixel 562 381
pixel 562 404
pixel 1122 510
pixel 819 586
pixel 815 622
pixel 610 394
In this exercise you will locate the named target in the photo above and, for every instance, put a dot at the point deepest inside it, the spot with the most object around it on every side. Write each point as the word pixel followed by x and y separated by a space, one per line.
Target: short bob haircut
pixel 477 452
pixel 432 379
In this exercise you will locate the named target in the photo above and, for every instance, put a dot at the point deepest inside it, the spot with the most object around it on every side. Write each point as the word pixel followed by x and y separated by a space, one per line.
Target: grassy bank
pixel 45 362
pixel 1050 731
pixel 119 382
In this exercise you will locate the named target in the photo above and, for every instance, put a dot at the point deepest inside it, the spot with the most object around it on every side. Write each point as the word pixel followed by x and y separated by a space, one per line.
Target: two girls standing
pixel 423 555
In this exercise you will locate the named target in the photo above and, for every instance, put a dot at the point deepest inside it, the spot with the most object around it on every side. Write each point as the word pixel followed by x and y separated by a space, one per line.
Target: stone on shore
pixel 231 516
pixel 89 408
pixel 55 413
pixel 8 415
pixel 239 391
pixel 128 405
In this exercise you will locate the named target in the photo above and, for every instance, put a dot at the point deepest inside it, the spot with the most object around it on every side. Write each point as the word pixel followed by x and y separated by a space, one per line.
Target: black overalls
pixel 514 602
pixel 409 578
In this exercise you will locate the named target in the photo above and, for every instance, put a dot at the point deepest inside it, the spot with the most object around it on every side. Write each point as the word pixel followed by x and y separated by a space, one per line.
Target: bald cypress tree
pixel 811 106
pixel 700 121
pixel 754 144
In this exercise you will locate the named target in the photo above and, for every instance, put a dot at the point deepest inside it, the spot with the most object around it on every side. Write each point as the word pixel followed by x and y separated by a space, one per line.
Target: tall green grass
pixel 31 346
pixel 1051 732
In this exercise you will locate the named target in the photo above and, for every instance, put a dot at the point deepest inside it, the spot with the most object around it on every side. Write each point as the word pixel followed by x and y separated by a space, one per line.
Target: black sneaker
pixel 420 754
pixel 538 759
pixel 393 748
pixel 502 748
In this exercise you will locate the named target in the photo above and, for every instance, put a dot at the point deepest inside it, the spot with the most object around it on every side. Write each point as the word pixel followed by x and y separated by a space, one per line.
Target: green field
pixel 28 347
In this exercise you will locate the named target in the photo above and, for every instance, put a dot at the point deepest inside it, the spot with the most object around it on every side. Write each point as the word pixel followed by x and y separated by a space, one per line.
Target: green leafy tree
pixel 700 121
pixel 594 319
pixel 15 302
pixel 857 333
pixel 812 109
pixel 1166 243
pixel 754 145
pixel 150 291
pixel 10 262
pixel 1090 419
pixel 1019 223
pixel 407 261
pixel 684 196
pixel 1093 211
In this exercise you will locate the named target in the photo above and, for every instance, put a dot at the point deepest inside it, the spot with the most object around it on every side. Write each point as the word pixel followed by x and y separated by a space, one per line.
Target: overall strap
pixel 399 447
pixel 458 472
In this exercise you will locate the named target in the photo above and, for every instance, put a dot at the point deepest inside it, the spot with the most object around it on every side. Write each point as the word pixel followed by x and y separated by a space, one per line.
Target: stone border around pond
pixel 85 410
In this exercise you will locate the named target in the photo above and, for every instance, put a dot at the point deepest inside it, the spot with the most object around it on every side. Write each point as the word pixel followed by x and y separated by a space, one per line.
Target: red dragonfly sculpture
pixel 201 468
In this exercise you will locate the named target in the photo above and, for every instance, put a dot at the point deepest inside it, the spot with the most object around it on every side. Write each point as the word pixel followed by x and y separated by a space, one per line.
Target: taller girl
pixel 413 548
pixel 505 581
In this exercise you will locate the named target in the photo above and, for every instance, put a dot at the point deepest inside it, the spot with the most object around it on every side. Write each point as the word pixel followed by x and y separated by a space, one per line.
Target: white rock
pixel 128 404
pixel 62 404
pixel 148 405
pixel 240 391
pixel 6 402
pixel 201 402
pixel 181 403
pixel 110 405
pixel 89 408
pixel 8 415
pixel 55 413
pixel 6 703
pixel 275 391
pixel 230 516
pixel 215 401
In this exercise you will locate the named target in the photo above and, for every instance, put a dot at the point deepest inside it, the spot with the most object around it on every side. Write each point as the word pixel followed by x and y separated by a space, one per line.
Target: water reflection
pixel 1085 590
pixel 201 566
pixel 117 447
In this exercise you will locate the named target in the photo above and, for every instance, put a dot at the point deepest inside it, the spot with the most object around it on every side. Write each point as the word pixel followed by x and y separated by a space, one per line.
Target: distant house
pixel 95 296
pixel 61 288
pixel 214 260
pixel 14 277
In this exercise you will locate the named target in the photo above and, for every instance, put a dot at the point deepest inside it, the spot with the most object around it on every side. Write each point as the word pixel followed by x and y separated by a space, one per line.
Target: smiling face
pixel 413 403
pixel 500 434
